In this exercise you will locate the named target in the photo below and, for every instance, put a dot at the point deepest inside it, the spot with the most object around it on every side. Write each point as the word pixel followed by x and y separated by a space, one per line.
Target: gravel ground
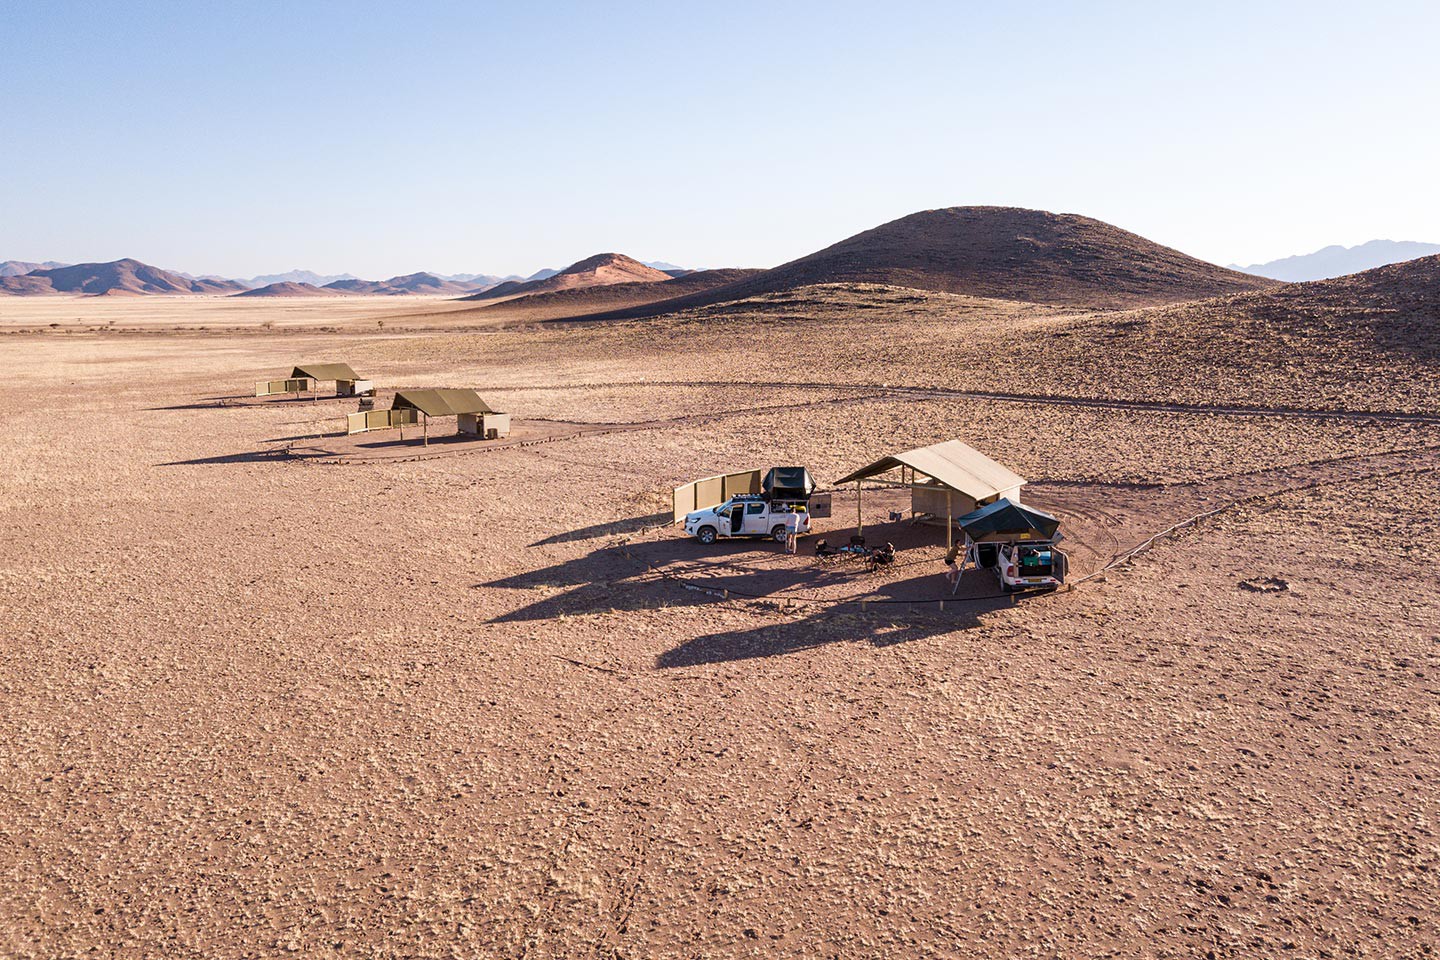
pixel 252 706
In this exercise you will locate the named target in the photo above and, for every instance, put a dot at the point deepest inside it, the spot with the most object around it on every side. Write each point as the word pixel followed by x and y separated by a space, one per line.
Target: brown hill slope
pixel 1371 339
pixel 999 252
pixel 600 270
pixel 287 288
pixel 577 301
pixel 117 277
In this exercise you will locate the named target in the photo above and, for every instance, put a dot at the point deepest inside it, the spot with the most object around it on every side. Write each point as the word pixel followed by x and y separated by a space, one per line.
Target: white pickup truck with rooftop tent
pixel 746 515
pixel 783 505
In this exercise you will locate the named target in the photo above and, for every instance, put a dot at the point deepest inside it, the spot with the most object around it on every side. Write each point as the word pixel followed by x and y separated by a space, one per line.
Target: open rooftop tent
pixel 1003 521
pixel 473 416
pixel 944 479
pixel 788 483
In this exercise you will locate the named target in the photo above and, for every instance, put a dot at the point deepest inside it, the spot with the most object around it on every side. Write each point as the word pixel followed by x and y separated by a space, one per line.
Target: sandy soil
pixel 482 703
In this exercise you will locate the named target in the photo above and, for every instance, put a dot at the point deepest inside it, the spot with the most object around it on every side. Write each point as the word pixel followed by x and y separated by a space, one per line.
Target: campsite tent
pixel 326 371
pixel 944 479
pixel 1006 522
pixel 952 471
pixel 472 415
pixel 441 403
pixel 307 376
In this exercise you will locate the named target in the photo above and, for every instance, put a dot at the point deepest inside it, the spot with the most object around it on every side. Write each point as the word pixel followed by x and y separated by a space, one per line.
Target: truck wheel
pixel 705 535
pixel 778 534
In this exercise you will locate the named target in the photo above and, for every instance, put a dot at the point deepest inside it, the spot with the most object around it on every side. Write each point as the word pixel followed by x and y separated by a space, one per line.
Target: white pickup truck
pixel 1022 566
pixel 746 515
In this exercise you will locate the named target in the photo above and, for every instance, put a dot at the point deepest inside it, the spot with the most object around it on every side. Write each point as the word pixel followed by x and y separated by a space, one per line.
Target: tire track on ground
pixel 1070 400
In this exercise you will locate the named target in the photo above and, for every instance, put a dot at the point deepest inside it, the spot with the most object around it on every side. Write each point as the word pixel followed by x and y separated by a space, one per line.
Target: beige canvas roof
pixel 952 464
pixel 441 402
pixel 326 371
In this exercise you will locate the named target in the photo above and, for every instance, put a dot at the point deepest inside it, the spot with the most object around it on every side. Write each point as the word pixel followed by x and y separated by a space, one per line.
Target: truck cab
pixel 747 515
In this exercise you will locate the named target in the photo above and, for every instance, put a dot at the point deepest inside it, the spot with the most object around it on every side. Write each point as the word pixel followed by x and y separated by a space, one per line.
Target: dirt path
pixel 934 393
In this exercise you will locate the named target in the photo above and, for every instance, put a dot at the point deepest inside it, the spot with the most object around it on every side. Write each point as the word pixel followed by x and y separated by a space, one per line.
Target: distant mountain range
pixel 133 277
pixel 117 278
pixel 413 284
pixel 1338 261
pixel 18 268
pixel 298 276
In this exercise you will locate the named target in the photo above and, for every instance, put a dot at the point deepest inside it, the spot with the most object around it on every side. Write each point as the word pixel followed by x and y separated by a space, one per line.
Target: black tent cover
pixel 1004 517
pixel 788 483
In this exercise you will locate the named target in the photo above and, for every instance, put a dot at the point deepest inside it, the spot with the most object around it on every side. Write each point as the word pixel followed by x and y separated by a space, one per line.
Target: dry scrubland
pixel 252 705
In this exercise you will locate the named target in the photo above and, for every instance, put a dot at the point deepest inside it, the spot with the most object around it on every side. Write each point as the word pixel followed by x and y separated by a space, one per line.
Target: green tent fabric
pixel 326 371
pixel 788 483
pixel 1005 519
pixel 441 402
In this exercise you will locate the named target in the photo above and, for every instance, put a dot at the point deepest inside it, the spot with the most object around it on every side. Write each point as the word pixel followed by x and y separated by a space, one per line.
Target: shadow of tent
pixel 613 528
pixel 253 456
pixel 599 582
pixel 825 625
pixel 244 400
pixel 415 438
pixel 205 403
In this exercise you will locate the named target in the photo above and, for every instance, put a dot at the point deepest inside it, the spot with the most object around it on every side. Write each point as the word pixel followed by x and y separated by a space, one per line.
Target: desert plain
pixel 269 691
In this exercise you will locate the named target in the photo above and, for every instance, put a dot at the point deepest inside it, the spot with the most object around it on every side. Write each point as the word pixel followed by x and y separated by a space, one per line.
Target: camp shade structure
pixel 441 403
pixel 472 415
pixel 788 483
pixel 943 479
pixel 305 376
pixel 1006 522
pixel 326 371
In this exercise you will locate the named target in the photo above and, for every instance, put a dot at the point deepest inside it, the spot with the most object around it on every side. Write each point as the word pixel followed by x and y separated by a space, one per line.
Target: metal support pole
pixel 425 426
pixel 949 524
pixel 859 521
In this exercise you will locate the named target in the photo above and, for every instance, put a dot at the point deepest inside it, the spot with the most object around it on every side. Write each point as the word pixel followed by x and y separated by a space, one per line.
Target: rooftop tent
pixel 1003 520
pixel 326 371
pixel 442 402
pixel 788 483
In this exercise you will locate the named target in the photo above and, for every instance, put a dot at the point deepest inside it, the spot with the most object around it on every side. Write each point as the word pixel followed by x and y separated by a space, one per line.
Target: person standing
pixel 792 531
pixel 952 568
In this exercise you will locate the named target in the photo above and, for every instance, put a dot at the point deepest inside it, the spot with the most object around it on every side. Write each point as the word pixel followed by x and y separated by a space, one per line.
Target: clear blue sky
pixel 381 138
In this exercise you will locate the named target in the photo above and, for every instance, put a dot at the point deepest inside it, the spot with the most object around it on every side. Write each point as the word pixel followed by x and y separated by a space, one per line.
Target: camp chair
pixel 881 557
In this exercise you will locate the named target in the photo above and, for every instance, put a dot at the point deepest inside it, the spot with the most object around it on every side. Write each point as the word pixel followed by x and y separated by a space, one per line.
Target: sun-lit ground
pixel 478 697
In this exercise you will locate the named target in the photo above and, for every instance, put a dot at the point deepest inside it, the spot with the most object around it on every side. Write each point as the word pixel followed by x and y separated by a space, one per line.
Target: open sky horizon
pixel 380 139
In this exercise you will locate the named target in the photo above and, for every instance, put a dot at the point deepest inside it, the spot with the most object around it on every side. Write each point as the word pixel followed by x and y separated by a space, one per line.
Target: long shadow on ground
pixel 242 400
pixel 251 456
pixel 599 582
pixel 605 529
pixel 656 576
pixel 828 625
